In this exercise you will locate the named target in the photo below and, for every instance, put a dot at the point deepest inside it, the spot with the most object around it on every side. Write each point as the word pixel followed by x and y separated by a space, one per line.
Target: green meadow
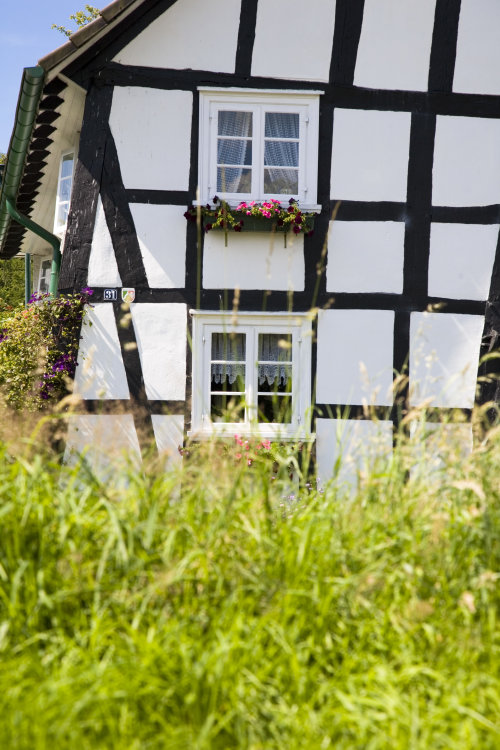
pixel 221 605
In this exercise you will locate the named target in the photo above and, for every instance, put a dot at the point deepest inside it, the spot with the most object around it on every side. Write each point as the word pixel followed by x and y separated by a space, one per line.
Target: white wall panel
pixel 293 40
pixel 152 132
pixel 160 331
pixel 355 353
pixel 370 155
pixel 100 373
pixel 103 270
pixel 192 34
pixel 461 260
pixel 395 44
pixel 161 231
pixel 253 261
pixel 478 52
pixel 108 444
pixel 466 161
pixel 169 434
pixel 376 247
pixel 345 447
pixel 444 355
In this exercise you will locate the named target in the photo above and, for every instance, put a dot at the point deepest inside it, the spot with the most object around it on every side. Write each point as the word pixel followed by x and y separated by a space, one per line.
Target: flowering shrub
pixel 284 218
pixel 39 348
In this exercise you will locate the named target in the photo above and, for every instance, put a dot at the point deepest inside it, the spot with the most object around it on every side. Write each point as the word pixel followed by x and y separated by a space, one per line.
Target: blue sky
pixel 25 37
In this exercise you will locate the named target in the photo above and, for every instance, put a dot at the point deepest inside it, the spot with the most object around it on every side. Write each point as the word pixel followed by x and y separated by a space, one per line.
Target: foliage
pixel 11 284
pixel 284 218
pixel 39 348
pixel 81 18
pixel 228 617
pixel 3 157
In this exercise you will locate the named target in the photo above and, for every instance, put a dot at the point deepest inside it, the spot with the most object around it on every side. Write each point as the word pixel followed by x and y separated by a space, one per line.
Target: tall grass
pixel 229 615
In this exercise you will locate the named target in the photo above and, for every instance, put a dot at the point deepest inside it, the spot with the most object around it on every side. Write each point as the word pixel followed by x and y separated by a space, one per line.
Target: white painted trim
pixel 306 105
pixel 297 324
pixel 261 92
pixel 59 230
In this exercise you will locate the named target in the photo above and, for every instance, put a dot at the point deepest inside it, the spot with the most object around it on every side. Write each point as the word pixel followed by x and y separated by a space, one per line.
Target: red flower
pixel 296 229
pixel 208 227
pixel 290 210
pixel 298 218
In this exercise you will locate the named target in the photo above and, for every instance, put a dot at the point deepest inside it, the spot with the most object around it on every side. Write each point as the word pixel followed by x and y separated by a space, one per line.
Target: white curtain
pixel 270 350
pixel 232 350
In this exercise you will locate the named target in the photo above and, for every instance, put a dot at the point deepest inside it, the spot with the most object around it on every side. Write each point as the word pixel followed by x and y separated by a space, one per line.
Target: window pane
pixel 274 378
pixel 65 190
pixel 284 181
pixel 228 378
pixel 62 214
pixel 67 166
pixel 279 125
pixel 230 347
pixel 275 409
pixel 227 408
pixel 275 347
pixel 281 154
pixel 234 123
pixel 234 180
pixel 234 151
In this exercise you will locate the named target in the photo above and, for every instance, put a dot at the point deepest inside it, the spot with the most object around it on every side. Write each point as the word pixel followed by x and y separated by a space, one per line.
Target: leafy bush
pixel 39 349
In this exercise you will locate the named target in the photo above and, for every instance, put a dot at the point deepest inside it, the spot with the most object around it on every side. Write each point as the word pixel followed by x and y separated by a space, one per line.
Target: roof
pixel 36 122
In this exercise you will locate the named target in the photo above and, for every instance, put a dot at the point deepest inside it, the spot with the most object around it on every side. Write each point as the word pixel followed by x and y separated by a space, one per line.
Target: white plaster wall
pixel 355 353
pixel 192 34
pixel 107 443
pixel 478 52
pixel 444 356
pixel 100 373
pixel 160 331
pixel 103 270
pixel 253 260
pixel 293 40
pixel 152 132
pixel 345 447
pixel 466 161
pixel 169 435
pixel 376 248
pixel 370 155
pixel 395 44
pixel 461 260
pixel 161 231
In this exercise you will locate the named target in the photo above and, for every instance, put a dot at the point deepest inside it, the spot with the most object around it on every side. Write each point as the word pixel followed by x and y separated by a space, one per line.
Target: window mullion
pixel 258 154
pixel 251 393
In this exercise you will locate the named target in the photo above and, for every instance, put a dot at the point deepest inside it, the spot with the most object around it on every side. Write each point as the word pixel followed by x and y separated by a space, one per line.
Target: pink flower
pixel 237 456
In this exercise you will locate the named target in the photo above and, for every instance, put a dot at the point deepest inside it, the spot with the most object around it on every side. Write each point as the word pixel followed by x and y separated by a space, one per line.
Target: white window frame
pixel 304 103
pixel 299 325
pixel 59 229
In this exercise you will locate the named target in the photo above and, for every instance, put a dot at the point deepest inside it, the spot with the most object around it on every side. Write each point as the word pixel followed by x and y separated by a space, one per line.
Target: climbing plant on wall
pixel 39 349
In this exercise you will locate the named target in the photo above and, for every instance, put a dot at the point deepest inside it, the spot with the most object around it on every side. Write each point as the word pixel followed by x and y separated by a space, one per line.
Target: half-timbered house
pixel 381 117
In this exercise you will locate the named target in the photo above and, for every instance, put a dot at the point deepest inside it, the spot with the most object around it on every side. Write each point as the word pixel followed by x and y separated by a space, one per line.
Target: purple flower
pixel 208 227
pixel 296 229
pixel 280 222
pixel 292 200
pixel 215 199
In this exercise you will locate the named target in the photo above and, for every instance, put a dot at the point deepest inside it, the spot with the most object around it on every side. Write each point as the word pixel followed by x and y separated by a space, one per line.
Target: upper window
pixel 256 146
pixel 64 186
pixel 44 276
pixel 251 374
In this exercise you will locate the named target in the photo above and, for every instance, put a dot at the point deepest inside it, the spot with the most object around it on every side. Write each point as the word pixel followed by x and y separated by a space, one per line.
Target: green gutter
pixel 27 107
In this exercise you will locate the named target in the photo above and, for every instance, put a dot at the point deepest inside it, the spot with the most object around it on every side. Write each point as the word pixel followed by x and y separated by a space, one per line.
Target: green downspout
pixel 27 107
pixel 47 236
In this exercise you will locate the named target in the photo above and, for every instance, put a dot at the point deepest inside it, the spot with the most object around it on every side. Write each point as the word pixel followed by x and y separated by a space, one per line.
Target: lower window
pixel 251 373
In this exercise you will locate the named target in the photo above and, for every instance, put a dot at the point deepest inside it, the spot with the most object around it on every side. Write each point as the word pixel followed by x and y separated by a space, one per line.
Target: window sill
pixel 260 433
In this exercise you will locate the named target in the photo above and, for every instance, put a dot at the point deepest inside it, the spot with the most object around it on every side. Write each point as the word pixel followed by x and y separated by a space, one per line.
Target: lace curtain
pixel 270 350
pixel 232 351
pixel 234 147
pixel 281 157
